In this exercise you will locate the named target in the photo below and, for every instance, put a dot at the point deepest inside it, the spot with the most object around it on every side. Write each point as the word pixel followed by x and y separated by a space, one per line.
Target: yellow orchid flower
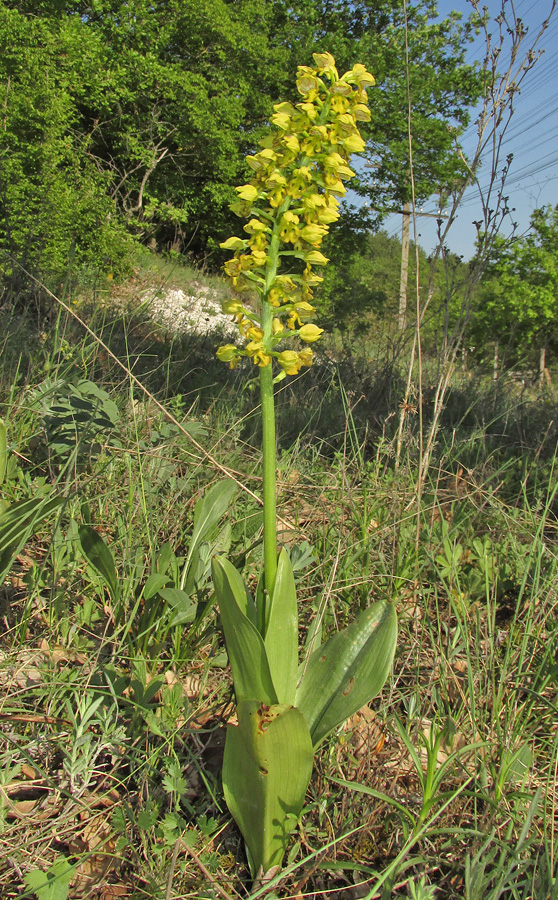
pixel 313 234
pixel 230 354
pixel 361 112
pixel 325 65
pixel 316 258
pixel 290 231
pixel 233 243
pixel 289 361
pixel 354 143
pixel 359 75
pixel 248 192
pixel 283 115
pixel 304 309
pixel 310 333
pixel 233 267
pixel 232 307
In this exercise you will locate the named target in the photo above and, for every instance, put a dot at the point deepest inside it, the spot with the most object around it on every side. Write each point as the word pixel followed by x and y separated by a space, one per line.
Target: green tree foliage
pixel 54 200
pixel 136 116
pixel 517 304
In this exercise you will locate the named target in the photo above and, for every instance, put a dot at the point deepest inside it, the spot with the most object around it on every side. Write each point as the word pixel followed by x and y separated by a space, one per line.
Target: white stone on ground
pixel 181 313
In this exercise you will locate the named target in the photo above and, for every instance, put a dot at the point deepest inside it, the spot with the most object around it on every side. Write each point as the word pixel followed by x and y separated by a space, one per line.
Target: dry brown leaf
pixel 114 891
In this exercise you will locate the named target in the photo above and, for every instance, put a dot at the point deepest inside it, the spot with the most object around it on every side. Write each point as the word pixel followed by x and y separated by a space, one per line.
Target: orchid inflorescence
pixel 290 202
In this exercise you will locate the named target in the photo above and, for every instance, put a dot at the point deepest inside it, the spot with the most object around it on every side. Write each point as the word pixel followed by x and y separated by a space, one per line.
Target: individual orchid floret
pixel 310 333
pixel 230 354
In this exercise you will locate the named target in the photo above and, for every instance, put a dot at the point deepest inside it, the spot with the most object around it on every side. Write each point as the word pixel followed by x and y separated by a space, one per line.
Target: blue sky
pixel 532 135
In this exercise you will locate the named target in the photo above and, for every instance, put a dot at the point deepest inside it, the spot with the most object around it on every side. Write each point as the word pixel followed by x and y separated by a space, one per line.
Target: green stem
pixel 268 415
pixel 268 452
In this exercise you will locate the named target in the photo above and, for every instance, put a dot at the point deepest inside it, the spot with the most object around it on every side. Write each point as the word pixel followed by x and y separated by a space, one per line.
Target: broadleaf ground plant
pixel 285 709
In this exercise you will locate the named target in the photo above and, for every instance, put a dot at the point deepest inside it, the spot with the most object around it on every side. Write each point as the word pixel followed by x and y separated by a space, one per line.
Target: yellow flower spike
pixel 299 170
pixel 248 192
pixel 310 333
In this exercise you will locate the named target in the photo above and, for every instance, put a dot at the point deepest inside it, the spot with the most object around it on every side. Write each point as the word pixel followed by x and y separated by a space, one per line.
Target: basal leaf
pixel 18 522
pixel 266 771
pixel 100 557
pixel 247 655
pixel 281 638
pixel 3 451
pixel 348 670
pixel 184 607
pixel 209 510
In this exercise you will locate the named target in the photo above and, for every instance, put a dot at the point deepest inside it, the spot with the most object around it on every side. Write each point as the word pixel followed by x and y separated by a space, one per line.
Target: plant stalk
pixel 268 424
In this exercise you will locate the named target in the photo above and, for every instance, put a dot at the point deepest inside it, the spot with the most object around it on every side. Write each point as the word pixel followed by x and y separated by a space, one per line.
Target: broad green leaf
pixel 266 771
pixel 184 607
pixel 348 670
pixel 154 583
pixel 18 522
pixel 3 451
pixel 100 557
pixel 250 668
pixel 207 514
pixel 53 884
pixel 281 638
